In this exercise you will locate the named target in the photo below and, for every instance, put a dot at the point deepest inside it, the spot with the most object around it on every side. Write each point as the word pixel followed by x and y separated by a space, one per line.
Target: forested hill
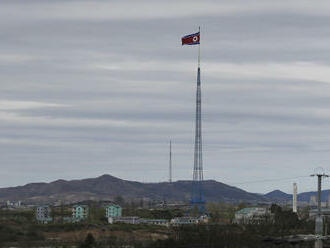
pixel 107 187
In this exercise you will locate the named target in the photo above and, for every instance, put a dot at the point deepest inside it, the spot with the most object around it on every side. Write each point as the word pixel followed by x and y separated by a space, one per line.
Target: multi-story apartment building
pixel 113 211
pixel 80 212
pixel 43 214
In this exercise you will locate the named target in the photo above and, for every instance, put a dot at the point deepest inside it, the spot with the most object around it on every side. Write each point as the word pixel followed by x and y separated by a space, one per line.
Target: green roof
pixel 245 210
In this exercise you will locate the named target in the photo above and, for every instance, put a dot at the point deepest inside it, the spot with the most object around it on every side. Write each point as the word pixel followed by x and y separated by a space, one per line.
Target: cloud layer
pixel 94 87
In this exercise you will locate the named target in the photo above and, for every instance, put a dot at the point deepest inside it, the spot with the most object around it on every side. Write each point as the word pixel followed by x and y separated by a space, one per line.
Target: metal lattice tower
pixel 197 198
pixel 197 194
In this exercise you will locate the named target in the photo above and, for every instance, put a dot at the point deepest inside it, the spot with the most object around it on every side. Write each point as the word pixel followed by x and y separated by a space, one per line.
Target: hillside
pixel 278 195
pixel 307 195
pixel 107 187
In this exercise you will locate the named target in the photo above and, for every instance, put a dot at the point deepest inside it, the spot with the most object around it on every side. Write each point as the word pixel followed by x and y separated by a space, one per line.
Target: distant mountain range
pixel 107 188
pixel 278 195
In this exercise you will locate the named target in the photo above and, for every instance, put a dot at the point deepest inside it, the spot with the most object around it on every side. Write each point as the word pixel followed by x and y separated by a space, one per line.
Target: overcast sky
pixel 100 87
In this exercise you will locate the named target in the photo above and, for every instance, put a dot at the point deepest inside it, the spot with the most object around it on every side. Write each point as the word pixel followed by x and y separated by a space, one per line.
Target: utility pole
pixel 319 217
pixel 320 235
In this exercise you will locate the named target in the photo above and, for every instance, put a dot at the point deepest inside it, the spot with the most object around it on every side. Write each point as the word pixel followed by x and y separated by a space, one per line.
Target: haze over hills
pixel 107 187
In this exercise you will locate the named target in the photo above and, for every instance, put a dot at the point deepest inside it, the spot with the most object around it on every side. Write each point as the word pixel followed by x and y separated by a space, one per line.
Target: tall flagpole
pixel 199 48
pixel 198 196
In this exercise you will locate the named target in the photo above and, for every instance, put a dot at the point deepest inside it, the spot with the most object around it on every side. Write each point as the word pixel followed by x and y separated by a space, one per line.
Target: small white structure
pixel 294 198
pixel 203 219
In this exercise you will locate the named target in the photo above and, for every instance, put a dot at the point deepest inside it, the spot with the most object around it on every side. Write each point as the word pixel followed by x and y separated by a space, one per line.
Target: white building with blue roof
pixel 251 215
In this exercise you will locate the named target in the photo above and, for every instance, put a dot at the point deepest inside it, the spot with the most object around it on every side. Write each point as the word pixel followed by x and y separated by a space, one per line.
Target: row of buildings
pixel 252 215
pixel 79 213
pixel 113 213
pixel 186 220
pixel 259 214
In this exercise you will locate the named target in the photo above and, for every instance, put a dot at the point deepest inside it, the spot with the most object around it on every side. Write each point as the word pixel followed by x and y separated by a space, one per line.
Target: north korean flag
pixel 191 39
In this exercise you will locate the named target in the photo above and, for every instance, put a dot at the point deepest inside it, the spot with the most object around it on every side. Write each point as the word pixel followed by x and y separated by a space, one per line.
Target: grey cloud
pixel 253 123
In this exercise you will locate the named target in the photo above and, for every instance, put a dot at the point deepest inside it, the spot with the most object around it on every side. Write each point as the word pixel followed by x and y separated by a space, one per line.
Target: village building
pixel 127 220
pixel 251 215
pixel 43 214
pixel 160 222
pixel 113 211
pixel 80 212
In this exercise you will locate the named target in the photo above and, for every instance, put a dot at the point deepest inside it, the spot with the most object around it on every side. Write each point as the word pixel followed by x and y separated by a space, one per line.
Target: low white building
pixel 126 220
pixel 160 222
pixel 251 215
pixel 184 221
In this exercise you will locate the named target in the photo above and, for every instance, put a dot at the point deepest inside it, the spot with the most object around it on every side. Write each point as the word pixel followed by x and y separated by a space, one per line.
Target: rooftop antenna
pixel 170 163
